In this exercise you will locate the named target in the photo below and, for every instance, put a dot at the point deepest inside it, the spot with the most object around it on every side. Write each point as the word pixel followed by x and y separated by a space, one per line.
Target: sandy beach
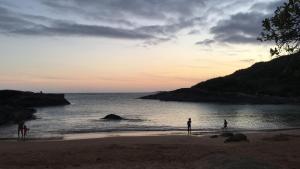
pixel 267 150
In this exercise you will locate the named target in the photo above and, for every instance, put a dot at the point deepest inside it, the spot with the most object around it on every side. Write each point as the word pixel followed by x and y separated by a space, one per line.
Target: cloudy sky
pixel 127 45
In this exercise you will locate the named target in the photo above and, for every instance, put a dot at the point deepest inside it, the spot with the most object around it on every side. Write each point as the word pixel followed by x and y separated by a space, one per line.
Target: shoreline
pixel 268 150
pixel 115 134
pixel 83 136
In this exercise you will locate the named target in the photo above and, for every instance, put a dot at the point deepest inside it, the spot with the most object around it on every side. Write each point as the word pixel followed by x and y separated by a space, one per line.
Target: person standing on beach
pixel 25 130
pixel 20 129
pixel 189 126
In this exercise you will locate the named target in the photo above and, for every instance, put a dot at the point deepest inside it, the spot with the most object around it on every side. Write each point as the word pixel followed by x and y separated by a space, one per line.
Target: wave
pixel 173 129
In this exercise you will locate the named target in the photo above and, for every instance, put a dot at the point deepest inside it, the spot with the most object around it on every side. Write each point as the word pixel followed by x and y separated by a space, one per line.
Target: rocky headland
pixel 18 106
pixel 273 82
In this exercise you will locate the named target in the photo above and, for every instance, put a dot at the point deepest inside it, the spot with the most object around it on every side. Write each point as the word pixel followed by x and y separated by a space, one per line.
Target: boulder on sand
pixel 226 134
pixel 214 136
pixel 236 138
pixel 113 117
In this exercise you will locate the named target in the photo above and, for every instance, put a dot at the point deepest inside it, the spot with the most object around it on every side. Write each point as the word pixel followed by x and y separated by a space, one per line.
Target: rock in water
pixel 236 138
pixel 113 117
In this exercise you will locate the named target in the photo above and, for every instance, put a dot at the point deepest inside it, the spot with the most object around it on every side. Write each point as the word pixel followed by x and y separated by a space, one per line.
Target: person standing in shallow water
pixel 189 126
pixel 225 124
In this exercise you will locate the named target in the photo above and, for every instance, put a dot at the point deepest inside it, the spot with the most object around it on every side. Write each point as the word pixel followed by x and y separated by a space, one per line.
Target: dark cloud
pixel 206 42
pixel 66 29
pixel 169 30
pixel 172 15
pixel 155 9
pixel 13 23
pixel 243 27
pixel 89 10
pixel 115 19
pixel 239 28
pixel 152 21
pixel 156 41
pixel 10 22
pixel 20 24
pixel 267 7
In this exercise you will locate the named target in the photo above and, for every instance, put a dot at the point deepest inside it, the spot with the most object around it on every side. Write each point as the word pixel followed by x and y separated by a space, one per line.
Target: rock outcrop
pixel 113 117
pixel 31 99
pixel 18 106
pixel 236 138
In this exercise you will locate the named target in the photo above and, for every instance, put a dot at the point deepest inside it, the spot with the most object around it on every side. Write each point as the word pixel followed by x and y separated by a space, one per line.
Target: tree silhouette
pixel 283 28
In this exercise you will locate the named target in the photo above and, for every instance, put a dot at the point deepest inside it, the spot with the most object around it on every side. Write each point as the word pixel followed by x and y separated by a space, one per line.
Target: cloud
pixel 156 41
pixel 171 27
pixel 194 32
pixel 68 29
pixel 10 22
pixel 167 32
pixel 267 7
pixel 242 27
pixel 14 23
pixel 150 21
pixel 113 19
pixel 154 9
pixel 159 19
pixel 206 42
pixel 239 28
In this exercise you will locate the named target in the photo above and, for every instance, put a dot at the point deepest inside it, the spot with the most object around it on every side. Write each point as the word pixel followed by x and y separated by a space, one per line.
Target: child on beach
pixel 25 130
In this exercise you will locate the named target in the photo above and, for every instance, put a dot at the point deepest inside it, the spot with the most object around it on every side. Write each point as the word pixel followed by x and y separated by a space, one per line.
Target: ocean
pixel 83 117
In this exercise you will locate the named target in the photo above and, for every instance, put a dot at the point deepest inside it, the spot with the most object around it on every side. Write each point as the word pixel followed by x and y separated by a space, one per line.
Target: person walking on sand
pixel 20 129
pixel 225 124
pixel 189 126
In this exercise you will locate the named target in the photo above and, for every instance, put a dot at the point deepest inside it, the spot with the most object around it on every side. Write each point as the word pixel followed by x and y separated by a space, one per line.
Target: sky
pixel 127 45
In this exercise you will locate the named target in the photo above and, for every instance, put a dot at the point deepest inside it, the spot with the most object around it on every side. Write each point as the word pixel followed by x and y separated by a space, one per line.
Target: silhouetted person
pixel 25 130
pixel 189 126
pixel 225 124
pixel 20 129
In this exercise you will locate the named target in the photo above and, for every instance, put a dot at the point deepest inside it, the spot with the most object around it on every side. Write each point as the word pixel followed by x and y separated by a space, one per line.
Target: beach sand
pixel 267 150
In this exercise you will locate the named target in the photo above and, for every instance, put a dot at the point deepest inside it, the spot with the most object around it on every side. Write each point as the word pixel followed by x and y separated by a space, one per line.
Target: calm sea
pixel 85 113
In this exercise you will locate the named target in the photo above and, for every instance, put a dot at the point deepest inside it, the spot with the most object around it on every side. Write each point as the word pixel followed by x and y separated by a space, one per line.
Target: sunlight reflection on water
pixel 83 115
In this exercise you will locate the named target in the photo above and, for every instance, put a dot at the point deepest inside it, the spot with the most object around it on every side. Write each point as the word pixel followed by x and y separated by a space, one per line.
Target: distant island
pixel 16 106
pixel 273 82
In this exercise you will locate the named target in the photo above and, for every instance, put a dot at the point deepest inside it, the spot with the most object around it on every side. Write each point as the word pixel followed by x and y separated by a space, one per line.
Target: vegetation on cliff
pixel 283 28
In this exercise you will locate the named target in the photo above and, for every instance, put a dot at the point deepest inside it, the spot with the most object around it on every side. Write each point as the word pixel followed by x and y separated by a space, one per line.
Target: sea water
pixel 84 115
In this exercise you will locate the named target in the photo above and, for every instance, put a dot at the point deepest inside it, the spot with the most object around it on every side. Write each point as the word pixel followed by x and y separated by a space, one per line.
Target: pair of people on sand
pixel 189 125
pixel 22 129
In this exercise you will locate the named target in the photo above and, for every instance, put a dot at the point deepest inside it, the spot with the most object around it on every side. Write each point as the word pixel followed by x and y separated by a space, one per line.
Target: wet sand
pixel 266 150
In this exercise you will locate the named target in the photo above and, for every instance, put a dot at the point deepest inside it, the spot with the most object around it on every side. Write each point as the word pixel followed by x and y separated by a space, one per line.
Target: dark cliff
pixel 273 82
pixel 18 106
